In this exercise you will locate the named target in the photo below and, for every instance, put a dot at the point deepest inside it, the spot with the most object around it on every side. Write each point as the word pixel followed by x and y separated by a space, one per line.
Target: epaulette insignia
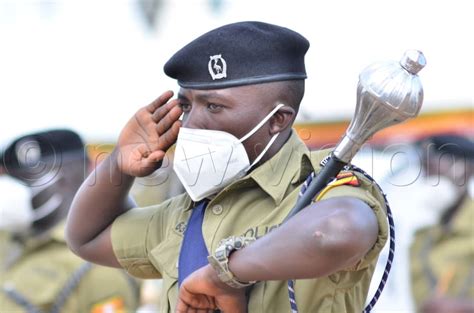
pixel 347 178
pixel 343 178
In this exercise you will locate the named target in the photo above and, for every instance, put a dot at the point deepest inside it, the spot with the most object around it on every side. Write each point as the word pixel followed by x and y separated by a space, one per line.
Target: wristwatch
pixel 220 259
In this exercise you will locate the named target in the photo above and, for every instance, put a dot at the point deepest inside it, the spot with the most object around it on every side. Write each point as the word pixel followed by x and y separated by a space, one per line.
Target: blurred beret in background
pixel 52 146
pixel 456 145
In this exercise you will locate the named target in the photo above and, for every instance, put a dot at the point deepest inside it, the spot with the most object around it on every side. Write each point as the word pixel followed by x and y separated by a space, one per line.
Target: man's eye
pixel 214 106
pixel 185 107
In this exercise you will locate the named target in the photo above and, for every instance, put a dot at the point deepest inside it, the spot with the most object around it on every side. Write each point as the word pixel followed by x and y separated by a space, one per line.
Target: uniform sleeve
pixel 134 234
pixel 369 193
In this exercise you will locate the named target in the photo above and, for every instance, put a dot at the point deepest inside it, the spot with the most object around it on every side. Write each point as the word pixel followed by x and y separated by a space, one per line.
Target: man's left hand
pixel 204 292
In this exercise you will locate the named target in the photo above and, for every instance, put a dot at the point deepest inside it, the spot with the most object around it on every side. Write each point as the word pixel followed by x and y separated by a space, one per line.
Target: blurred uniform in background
pixel 442 255
pixel 38 272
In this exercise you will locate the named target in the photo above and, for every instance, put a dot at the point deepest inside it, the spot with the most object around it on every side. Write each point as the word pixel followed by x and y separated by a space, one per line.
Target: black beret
pixel 239 54
pixel 455 145
pixel 52 146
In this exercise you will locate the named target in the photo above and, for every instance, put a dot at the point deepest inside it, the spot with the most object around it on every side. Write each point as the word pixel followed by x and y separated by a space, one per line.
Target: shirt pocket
pixel 165 258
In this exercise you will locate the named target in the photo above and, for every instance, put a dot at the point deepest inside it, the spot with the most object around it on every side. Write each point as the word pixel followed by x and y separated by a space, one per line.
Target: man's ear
pixel 282 119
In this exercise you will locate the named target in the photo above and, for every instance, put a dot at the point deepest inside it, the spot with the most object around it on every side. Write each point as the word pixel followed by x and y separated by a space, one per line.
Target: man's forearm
pixel 322 239
pixel 102 197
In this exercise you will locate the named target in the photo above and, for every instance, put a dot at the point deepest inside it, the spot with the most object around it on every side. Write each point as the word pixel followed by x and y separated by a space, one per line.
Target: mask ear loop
pixel 264 151
pixel 250 133
pixel 269 144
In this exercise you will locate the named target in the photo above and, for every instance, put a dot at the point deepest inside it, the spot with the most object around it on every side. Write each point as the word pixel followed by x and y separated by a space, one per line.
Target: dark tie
pixel 193 254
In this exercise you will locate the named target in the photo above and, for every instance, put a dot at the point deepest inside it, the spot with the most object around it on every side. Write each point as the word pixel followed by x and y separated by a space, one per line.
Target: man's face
pixel 234 110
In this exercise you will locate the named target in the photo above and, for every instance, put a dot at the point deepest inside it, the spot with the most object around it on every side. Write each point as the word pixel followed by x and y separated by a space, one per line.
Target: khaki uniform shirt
pixel 442 260
pixel 38 271
pixel 147 241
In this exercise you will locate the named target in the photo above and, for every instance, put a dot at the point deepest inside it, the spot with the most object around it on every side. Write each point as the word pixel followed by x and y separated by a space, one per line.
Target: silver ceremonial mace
pixel 387 94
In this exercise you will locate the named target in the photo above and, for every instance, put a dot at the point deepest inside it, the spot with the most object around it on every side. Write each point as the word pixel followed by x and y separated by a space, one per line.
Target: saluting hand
pixel 204 292
pixel 148 134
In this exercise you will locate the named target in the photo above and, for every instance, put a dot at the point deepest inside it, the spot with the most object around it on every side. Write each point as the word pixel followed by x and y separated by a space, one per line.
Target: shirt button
pixel 217 209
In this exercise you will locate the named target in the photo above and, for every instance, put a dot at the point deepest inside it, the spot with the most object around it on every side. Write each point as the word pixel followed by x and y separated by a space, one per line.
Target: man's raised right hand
pixel 148 134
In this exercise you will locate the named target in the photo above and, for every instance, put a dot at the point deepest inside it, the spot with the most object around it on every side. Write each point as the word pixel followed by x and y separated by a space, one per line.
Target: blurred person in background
pixel 442 254
pixel 38 272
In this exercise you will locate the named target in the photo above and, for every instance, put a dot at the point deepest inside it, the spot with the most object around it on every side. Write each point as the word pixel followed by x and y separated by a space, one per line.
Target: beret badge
pixel 217 67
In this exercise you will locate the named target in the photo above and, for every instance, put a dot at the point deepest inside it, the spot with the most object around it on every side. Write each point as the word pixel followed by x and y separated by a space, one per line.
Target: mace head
pixel 388 93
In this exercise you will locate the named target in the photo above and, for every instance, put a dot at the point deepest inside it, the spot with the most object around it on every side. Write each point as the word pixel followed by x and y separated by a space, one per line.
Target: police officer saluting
pixel 38 273
pixel 242 166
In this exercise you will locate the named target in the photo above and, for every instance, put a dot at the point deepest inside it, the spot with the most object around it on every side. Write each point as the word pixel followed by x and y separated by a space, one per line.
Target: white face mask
pixel 206 161
pixel 16 212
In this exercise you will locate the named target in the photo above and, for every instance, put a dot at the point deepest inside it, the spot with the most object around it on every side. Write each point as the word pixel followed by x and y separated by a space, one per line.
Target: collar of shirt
pixel 290 165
